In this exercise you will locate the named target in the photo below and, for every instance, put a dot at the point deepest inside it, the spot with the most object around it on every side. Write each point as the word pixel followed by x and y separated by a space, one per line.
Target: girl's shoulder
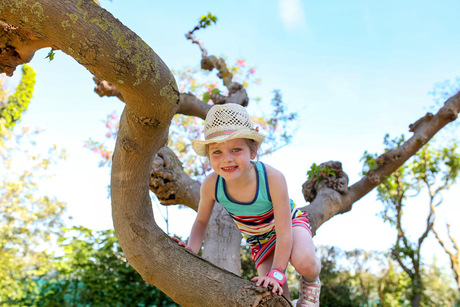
pixel 272 172
pixel 211 178
pixel 209 184
pixel 275 178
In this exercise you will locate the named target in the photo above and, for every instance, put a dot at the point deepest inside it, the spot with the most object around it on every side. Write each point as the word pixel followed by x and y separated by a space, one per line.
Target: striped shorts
pixel 261 251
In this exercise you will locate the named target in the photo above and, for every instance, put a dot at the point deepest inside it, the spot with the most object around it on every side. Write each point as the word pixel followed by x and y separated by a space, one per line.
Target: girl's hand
pixel 266 281
pixel 180 243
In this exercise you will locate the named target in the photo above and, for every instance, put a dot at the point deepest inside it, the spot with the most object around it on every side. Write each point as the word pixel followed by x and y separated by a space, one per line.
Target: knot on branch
pixel 414 126
pixel 237 94
pixel 326 175
pixel 374 177
pixel 266 298
pixel 163 181
pixel 105 88
pixel 9 60
pixel 211 62
pixel 208 63
pixel 451 109
pixel 393 156
pixel 17 47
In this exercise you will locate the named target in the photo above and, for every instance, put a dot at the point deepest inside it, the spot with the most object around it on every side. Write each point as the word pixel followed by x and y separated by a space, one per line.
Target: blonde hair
pixel 253 145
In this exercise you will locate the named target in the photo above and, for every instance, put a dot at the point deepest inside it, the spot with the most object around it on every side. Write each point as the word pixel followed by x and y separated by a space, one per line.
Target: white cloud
pixel 292 14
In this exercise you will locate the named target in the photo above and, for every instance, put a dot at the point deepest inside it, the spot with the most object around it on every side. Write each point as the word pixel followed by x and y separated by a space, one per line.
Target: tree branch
pixel 189 104
pixel 170 183
pixel 17 47
pixel 236 92
pixel 329 202
pixel 454 257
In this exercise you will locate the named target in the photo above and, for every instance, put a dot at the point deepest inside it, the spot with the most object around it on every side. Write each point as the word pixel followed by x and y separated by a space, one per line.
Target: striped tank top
pixel 254 219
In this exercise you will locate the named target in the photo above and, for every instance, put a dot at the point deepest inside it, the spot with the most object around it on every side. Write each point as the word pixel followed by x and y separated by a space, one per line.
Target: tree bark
pixel 222 242
pixel 170 183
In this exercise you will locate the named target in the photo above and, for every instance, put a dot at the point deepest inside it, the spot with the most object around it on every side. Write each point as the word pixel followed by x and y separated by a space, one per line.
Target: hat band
pixel 219 133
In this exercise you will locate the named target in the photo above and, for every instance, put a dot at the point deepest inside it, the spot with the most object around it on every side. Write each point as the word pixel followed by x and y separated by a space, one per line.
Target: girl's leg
pixel 266 266
pixel 303 256
pixel 305 262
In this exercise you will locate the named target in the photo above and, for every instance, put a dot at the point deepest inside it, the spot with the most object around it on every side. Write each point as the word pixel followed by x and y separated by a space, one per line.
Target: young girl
pixel 256 196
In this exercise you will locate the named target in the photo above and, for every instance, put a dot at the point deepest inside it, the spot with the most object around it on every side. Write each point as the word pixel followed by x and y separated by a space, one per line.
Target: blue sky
pixel 353 70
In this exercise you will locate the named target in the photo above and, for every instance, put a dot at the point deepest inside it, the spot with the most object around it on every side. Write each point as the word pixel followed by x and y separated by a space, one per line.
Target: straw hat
pixel 225 122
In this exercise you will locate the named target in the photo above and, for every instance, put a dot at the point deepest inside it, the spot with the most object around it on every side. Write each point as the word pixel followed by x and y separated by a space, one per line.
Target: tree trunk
pixel 223 241
pixel 416 299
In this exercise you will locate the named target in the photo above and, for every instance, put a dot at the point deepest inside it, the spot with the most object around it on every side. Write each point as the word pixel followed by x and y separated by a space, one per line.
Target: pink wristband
pixel 278 276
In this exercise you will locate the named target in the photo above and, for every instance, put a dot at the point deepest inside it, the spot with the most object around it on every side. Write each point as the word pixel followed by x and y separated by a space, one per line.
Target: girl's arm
pixel 205 206
pixel 283 227
pixel 283 222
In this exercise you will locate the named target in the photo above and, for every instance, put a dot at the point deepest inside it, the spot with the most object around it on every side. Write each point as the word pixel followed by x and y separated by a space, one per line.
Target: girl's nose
pixel 228 156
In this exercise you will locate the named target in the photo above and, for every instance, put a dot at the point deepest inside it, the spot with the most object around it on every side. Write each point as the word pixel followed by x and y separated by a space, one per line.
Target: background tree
pixel 93 271
pixel 337 287
pixel 453 252
pixel 114 53
pixel 12 106
pixel 430 170
pixel 29 220
pixel 449 245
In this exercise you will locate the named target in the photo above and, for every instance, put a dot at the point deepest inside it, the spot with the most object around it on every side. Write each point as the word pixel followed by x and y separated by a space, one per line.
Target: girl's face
pixel 231 159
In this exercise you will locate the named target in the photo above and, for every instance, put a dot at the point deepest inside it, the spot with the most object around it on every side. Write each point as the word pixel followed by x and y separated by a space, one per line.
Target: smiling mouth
pixel 229 168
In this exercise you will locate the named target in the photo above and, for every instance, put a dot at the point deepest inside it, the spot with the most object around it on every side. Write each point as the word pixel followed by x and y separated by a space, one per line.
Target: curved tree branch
pixel 189 104
pixel 112 52
pixel 170 183
pixel 236 92
pixel 329 202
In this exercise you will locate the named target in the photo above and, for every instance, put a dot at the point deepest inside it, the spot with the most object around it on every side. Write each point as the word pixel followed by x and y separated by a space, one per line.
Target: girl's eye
pixel 216 152
pixel 236 149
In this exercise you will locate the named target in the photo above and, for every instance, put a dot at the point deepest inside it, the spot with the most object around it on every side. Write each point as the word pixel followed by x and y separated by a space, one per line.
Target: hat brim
pixel 200 146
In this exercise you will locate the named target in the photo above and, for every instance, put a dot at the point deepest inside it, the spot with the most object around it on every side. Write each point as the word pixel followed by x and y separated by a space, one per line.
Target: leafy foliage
pixel 29 221
pixel 337 284
pixel 320 172
pixel 10 112
pixel 93 271
pixel 207 20
pixel 431 170
pixel 370 278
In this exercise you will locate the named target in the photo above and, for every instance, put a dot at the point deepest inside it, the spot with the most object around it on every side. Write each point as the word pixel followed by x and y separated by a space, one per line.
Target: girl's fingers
pixel 265 282
pixel 178 241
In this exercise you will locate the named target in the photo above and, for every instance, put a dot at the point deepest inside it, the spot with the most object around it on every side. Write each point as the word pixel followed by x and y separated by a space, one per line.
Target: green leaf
pixel 206 97
pixel 207 20
pixel 50 55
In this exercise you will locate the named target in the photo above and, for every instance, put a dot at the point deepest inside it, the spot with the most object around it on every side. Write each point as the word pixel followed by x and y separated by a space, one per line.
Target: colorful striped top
pixel 254 219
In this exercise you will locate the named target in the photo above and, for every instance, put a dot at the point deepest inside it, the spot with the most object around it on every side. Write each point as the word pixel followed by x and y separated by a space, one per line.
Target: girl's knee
pixel 309 267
